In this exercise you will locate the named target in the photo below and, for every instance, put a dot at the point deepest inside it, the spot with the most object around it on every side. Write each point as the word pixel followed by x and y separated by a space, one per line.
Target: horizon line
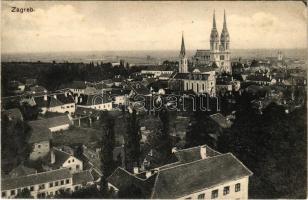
pixel 76 51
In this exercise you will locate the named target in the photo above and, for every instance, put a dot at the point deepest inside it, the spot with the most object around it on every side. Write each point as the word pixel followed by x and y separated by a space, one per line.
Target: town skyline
pixel 81 27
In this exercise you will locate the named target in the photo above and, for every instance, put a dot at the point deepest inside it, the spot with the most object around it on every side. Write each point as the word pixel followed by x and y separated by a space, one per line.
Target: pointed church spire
pixel 225 21
pixel 214 20
pixel 182 53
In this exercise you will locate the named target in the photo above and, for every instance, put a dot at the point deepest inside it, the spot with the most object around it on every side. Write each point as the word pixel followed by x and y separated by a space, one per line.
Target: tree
pixel 132 141
pixel 272 146
pixel 165 145
pixel 14 143
pixel 29 112
pixel 107 144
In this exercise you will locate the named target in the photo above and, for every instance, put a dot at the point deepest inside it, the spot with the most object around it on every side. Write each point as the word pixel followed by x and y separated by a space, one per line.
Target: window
pixel 67 181
pixel 226 190
pixel 222 57
pixel 70 168
pixel 12 192
pixel 39 146
pixel 69 161
pixel 32 188
pixel 77 166
pixel 50 184
pixel 42 186
pixel 201 196
pixel 56 183
pixel 73 160
pixel 237 187
pixel 214 194
pixel 62 182
pixel 3 194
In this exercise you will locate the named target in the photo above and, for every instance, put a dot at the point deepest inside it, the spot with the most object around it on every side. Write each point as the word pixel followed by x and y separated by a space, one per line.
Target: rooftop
pixel 35 179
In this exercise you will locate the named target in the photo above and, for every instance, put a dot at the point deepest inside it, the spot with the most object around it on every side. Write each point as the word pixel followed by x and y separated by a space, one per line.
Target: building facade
pixel 219 53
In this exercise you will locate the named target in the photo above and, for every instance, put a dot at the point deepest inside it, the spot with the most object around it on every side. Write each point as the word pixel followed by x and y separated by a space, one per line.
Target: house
pixel 38 90
pixel 119 96
pixel 45 184
pixel 39 139
pixel 13 114
pixel 16 87
pixel 156 71
pixel 40 185
pixel 58 158
pixel 53 123
pixel 62 102
pixel 221 120
pixel 97 102
pixel 199 173
pixel 76 87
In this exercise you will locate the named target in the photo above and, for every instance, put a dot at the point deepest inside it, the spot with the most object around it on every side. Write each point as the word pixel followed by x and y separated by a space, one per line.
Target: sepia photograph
pixel 154 100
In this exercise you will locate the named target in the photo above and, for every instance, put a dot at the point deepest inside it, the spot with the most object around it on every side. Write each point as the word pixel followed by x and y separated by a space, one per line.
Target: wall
pixel 72 163
pixel 70 108
pixel 39 150
pixel 59 128
pixel 242 194
pixel 47 190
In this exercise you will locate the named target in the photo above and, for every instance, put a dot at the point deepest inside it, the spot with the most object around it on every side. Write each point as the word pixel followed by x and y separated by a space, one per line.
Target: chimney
pixel 148 174
pixel 45 97
pixel 136 170
pixel 203 152
pixel 52 157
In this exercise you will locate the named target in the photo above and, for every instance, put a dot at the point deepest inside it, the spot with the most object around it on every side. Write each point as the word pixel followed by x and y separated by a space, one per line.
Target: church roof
pixel 191 76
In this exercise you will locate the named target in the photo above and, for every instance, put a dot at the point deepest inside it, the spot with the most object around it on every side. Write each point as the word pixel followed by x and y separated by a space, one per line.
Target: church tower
pixel 183 68
pixel 225 63
pixel 214 43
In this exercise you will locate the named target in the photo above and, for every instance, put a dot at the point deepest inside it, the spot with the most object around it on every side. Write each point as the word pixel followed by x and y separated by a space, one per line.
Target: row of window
pixel 214 193
pixel 197 86
pixel 63 107
pixel 41 187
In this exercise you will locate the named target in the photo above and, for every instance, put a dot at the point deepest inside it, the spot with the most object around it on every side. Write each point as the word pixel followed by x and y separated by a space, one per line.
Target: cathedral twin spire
pixel 224 37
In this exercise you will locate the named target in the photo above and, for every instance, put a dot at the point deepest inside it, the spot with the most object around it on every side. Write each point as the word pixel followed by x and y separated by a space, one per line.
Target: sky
pixel 92 26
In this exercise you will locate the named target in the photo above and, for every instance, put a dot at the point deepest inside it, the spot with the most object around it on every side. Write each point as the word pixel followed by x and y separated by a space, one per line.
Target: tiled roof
pixel 201 52
pixel 194 153
pixel 54 102
pixel 195 176
pixel 34 179
pixel 22 170
pixel 191 76
pixel 13 113
pixel 258 78
pixel 77 85
pixel 39 132
pixel 40 128
pixel 38 89
pixel 60 158
pixel 139 88
pixel 121 179
pixel 82 177
pixel 221 120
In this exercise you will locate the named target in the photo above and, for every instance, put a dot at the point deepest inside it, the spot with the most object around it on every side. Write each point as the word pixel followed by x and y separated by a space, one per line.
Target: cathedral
pixel 219 53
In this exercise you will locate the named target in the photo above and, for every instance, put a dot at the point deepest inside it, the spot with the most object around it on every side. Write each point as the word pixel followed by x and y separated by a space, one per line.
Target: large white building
pixel 199 173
